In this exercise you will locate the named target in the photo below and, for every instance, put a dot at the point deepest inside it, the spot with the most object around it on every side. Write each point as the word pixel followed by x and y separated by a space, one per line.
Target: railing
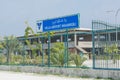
pixel 105 49
pixel 104 43
pixel 45 46
pixel 85 44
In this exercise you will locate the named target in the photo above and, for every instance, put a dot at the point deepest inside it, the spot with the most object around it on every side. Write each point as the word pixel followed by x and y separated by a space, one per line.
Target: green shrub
pixel 57 59
pixel 2 59
pixel 38 60
pixel 16 59
pixel 27 59
pixel 78 60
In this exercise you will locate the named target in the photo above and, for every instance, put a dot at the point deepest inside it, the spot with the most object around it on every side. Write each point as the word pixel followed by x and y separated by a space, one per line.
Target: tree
pixel 10 44
pixel 58 46
pixel 78 60
pixel 58 58
pixel 58 54
pixel 29 31
pixel 112 50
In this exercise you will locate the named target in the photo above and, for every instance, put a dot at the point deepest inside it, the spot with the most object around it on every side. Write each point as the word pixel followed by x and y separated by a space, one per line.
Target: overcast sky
pixel 13 13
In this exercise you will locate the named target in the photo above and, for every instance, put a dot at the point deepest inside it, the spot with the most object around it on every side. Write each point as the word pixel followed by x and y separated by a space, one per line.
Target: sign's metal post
pixel 49 49
pixel 7 58
pixel 42 51
pixel 67 47
pixel 23 54
pixel 66 50
pixel 93 45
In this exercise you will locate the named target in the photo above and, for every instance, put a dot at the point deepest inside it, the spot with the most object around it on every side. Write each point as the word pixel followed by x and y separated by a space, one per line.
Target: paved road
pixel 4 75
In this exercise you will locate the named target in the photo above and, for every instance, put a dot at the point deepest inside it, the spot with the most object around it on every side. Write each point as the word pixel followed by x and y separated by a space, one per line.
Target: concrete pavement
pixel 5 75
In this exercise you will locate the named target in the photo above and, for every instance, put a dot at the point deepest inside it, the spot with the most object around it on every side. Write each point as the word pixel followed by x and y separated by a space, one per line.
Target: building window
pixel 113 36
pixel 81 38
pixel 58 40
pixel 39 41
pixel 95 37
pixel 118 35
pixel 69 39
pixel 102 38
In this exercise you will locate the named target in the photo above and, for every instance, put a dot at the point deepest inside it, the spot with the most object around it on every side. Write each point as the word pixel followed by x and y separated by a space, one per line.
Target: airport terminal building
pixel 79 41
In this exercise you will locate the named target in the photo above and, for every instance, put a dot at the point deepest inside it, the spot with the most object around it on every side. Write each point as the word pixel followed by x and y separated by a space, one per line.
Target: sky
pixel 14 13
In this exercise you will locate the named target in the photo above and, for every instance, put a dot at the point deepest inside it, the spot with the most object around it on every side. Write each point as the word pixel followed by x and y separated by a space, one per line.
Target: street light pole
pixel 116 14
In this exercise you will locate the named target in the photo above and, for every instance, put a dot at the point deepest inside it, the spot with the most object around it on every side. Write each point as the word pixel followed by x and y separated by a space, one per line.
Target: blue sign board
pixel 61 23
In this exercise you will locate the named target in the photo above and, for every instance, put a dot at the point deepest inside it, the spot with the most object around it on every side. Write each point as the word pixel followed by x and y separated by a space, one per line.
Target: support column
pixel 109 37
pixel 75 39
pixel 42 51
pixel 75 42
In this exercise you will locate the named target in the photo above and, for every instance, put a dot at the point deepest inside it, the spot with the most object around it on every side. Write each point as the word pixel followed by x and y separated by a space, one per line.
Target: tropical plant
pixel 20 48
pixel 78 60
pixel 57 54
pixel 27 59
pixel 112 50
pixel 58 46
pixel 16 59
pixel 38 60
pixel 58 58
pixel 2 58
pixel 37 45
pixel 29 31
pixel 10 44
pixel 32 48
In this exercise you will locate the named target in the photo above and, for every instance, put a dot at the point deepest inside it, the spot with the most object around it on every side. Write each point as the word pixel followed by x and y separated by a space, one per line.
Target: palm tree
pixel 10 44
pixel 58 56
pixel 58 46
pixel 78 60
pixel 29 31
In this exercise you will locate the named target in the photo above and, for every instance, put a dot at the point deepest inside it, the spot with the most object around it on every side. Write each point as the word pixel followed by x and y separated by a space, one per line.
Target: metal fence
pixel 106 45
pixel 47 54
